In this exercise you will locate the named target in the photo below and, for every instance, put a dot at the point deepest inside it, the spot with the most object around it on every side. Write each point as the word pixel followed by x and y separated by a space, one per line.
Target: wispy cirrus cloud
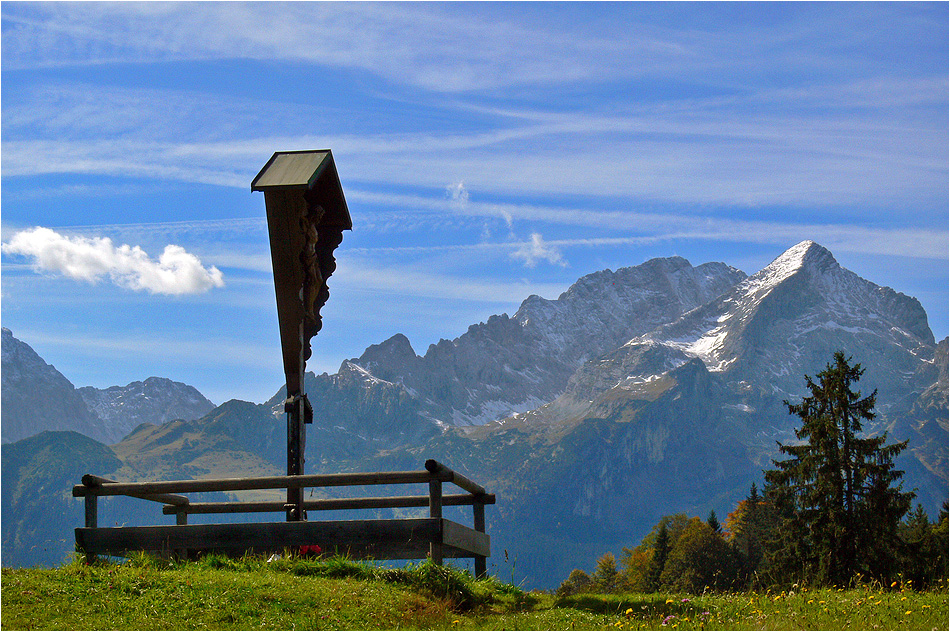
pixel 406 44
pixel 707 153
pixel 359 273
pixel 419 44
pixel 175 272
pixel 535 250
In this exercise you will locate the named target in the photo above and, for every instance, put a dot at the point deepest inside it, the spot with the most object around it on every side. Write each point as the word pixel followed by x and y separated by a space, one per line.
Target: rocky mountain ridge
pixel 154 401
pixel 517 363
pixel 772 328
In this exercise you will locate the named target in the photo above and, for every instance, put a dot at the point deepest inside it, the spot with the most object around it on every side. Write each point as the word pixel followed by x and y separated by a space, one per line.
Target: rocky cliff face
pixel 789 318
pixel 514 364
pixel 776 326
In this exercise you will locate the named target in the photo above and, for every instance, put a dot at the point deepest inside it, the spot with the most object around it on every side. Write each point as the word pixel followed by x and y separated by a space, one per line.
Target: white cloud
pixel 458 195
pixel 537 250
pixel 87 259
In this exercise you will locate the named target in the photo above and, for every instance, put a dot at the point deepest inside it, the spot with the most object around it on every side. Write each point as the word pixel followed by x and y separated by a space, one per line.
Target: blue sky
pixel 487 151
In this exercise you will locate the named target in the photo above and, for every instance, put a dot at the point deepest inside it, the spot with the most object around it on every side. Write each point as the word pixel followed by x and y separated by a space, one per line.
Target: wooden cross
pixel 306 217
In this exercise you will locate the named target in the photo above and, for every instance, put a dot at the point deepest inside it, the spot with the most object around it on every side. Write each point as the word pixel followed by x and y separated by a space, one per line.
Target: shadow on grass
pixel 619 604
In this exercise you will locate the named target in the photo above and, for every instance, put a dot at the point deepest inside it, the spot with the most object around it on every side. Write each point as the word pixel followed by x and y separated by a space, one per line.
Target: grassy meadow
pixel 293 593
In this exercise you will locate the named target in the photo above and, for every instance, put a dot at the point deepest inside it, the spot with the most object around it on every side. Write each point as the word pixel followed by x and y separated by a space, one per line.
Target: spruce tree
pixel 751 525
pixel 839 510
pixel 661 550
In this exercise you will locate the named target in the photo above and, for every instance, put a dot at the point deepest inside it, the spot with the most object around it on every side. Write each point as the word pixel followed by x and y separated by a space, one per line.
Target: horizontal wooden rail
pixel 383 502
pixel 262 482
pixel 97 482
pixel 450 476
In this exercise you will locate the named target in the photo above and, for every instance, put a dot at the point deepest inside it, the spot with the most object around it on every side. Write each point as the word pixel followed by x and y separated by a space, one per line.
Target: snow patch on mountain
pixel 511 364
pixel 492 410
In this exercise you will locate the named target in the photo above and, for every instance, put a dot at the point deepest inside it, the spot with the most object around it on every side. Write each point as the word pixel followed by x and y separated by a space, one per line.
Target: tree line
pixel 831 514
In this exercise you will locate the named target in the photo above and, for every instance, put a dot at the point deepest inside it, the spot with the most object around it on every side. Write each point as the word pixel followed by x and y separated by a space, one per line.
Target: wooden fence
pixel 410 538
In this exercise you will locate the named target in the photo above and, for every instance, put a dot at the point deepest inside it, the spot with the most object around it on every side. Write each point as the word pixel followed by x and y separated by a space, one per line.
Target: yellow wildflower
pixel 629 611
pixel 670 601
pixel 908 612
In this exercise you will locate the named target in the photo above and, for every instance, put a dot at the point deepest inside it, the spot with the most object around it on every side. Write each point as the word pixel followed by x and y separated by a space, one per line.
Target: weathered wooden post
pixel 91 502
pixel 306 217
pixel 478 508
pixel 435 511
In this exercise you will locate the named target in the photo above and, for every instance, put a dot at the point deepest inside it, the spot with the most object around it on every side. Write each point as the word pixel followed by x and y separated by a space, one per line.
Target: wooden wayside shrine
pixel 306 217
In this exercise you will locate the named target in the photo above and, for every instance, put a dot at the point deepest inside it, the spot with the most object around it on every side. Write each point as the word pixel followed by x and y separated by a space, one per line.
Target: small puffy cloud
pixel 457 194
pixel 88 259
pixel 537 250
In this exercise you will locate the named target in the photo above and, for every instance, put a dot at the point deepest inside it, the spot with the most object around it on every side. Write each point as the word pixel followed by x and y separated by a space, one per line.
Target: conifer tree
pixel 661 550
pixel 642 565
pixel 839 510
pixel 713 522
pixel 750 526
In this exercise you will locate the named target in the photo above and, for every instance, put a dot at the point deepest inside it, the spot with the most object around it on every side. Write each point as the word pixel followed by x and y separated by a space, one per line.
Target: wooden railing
pixel 434 536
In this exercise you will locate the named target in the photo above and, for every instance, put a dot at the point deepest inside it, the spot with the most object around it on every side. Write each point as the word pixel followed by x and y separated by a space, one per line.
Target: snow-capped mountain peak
pixel 806 254
pixel 787 319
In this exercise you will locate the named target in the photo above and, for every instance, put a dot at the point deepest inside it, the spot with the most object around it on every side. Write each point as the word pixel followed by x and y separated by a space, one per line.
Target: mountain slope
pixel 34 396
pixel 38 511
pixel 37 397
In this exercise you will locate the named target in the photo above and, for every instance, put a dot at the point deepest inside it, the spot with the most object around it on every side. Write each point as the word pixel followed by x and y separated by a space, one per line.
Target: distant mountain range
pixel 637 393
pixel 37 397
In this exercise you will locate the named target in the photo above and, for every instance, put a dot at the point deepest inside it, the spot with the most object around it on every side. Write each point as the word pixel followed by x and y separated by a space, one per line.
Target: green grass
pixel 864 608
pixel 293 593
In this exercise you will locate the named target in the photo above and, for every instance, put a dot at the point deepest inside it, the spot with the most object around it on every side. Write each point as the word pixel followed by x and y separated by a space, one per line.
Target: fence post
pixel 478 508
pixel 435 511
pixel 92 516
pixel 181 518
pixel 92 510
